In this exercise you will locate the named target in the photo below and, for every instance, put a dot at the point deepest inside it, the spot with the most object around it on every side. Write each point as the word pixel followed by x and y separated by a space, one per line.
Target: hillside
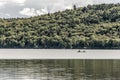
pixel 94 26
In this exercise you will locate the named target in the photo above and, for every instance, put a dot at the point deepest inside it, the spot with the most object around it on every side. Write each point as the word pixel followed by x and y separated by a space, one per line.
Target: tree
pixel 74 7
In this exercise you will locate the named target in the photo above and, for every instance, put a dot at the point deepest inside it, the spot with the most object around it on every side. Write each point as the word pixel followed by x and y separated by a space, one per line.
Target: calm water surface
pixel 59 69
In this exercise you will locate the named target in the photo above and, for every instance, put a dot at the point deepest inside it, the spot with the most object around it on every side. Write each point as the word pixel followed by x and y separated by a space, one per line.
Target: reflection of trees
pixel 94 69
pixel 75 69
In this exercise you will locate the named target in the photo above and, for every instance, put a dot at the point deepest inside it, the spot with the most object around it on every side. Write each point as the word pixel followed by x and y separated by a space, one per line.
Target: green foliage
pixel 94 26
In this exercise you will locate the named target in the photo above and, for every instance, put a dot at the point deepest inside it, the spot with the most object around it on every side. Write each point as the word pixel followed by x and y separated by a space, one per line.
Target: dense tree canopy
pixel 94 26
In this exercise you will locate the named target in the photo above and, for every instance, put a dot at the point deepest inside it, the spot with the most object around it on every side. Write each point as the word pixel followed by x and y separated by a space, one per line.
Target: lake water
pixel 58 54
pixel 60 69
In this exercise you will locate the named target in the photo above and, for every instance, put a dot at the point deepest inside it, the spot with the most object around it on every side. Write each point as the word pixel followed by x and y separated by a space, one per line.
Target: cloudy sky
pixel 27 8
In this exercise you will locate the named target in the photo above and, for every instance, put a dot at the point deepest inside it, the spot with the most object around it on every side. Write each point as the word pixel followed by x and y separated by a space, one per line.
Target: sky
pixel 28 8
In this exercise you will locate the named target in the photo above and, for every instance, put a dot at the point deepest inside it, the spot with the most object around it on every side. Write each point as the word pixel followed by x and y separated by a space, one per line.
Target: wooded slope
pixel 94 26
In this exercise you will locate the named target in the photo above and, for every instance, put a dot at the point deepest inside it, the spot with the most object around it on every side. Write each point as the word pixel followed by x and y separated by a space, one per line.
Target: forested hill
pixel 94 26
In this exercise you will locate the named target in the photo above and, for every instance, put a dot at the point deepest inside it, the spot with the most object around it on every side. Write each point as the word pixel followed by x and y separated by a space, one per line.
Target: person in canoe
pixel 79 51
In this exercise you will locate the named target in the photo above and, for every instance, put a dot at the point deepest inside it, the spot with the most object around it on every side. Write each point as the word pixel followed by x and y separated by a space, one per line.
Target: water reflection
pixel 59 70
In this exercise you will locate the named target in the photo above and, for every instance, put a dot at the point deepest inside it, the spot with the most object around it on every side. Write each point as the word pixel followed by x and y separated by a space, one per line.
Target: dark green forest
pixel 93 26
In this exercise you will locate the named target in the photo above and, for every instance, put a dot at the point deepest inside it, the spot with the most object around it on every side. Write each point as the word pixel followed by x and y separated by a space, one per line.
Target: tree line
pixel 94 26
